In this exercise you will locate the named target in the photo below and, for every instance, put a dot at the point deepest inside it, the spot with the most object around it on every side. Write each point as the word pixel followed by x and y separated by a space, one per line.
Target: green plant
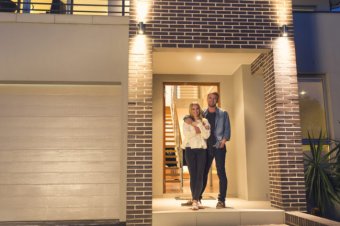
pixel 322 174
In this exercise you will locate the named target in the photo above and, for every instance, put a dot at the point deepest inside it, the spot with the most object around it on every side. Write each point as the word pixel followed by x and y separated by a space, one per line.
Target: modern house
pixel 92 93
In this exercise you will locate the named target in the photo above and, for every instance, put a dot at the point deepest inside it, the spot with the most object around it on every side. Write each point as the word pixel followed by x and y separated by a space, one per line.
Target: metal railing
pixel 79 7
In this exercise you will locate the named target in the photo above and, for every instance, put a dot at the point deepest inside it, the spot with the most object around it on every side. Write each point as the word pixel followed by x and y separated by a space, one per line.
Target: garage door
pixel 60 152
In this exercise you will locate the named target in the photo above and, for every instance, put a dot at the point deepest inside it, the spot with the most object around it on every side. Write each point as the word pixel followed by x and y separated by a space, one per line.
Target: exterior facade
pixel 119 72
pixel 210 25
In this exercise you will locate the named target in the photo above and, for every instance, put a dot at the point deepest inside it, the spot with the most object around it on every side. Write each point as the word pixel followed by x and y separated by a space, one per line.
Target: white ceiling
pixel 211 63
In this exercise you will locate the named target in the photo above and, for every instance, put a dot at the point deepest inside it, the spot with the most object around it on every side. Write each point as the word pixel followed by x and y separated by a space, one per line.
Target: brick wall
pixel 237 24
pixel 213 24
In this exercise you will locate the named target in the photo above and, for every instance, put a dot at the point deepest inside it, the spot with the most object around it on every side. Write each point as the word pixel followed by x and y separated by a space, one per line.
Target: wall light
pixel 141 28
pixel 284 30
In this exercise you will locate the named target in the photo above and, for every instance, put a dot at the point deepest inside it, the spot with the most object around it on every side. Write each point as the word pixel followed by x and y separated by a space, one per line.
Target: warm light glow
pixel 303 92
pixel 142 10
pixel 198 57
pixel 139 45
pixel 282 10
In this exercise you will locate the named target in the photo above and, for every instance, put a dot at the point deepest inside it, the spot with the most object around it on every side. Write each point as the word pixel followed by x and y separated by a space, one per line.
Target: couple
pixel 205 135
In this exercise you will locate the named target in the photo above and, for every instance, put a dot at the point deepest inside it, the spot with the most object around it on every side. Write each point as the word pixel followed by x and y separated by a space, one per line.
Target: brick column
pixel 285 157
pixel 139 153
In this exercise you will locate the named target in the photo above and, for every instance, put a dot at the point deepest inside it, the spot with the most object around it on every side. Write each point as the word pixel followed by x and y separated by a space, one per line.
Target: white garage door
pixel 60 152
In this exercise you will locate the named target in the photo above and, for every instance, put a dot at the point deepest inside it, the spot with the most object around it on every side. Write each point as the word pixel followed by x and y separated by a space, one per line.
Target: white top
pixel 193 139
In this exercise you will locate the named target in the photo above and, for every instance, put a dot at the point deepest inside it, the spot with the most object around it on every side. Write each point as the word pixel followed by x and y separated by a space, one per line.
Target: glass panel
pixel 312 108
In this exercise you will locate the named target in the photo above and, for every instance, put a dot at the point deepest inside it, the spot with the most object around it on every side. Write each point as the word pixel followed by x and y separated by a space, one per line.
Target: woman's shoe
pixel 194 205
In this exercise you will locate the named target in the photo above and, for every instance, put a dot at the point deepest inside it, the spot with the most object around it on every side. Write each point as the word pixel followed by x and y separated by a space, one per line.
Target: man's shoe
pixel 188 203
pixel 220 205
pixel 200 206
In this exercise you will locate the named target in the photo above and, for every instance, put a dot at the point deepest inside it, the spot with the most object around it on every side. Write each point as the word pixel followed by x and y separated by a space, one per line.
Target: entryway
pixel 181 76
pixel 177 98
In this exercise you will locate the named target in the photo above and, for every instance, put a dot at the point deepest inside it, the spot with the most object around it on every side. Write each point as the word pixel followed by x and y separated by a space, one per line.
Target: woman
pixel 196 130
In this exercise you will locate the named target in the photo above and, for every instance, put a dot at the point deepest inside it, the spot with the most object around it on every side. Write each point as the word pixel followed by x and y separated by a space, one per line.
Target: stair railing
pixel 177 134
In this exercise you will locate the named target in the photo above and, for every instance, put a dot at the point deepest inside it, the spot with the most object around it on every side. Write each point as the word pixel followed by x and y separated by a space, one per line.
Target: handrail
pixel 177 133
pixel 97 7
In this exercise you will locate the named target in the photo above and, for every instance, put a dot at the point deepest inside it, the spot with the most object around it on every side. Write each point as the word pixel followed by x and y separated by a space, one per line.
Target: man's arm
pixel 227 130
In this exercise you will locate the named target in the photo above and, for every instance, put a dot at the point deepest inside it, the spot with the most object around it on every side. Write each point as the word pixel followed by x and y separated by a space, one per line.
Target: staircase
pixel 172 170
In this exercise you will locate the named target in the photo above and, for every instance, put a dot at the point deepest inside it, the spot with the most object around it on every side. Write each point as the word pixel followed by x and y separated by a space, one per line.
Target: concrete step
pixel 169 212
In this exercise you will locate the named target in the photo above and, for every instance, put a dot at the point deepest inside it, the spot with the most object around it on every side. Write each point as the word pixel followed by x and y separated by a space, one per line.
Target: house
pixel 81 103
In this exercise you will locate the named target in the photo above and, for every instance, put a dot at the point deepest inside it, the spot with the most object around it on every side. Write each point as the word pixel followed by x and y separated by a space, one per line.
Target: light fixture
pixel 303 92
pixel 141 28
pixel 284 30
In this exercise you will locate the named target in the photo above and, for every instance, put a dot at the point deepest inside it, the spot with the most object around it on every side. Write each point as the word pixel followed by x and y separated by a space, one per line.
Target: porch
pixel 168 211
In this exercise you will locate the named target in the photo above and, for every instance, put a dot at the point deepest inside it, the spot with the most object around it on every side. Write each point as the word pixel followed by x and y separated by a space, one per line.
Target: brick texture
pixel 285 158
pixel 216 24
pixel 139 153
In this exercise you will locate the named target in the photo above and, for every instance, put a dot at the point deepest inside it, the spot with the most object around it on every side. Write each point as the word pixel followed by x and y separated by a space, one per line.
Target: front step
pixel 169 212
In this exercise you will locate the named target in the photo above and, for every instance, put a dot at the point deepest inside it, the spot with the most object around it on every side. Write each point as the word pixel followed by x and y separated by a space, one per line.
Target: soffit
pixel 211 63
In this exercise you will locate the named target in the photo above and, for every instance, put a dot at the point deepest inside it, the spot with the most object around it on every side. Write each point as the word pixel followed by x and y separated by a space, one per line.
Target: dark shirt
pixel 212 139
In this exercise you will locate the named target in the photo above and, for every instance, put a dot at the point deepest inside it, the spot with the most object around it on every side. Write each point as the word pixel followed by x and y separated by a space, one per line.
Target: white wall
pixel 239 135
pixel 68 49
pixel 317 38
pixel 255 133
pixel 250 136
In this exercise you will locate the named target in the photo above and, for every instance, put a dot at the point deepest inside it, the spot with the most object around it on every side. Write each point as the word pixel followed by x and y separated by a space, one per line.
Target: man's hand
pixel 198 130
pixel 222 143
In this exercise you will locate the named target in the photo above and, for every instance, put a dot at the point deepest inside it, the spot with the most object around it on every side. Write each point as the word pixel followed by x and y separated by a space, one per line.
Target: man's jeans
pixel 219 155
pixel 196 160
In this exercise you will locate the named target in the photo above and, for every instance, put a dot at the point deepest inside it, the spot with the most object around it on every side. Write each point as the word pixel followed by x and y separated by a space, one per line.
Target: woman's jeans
pixel 196 160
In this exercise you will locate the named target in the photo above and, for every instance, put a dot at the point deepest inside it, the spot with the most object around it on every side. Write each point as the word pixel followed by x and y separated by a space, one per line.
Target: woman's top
pixel 193 139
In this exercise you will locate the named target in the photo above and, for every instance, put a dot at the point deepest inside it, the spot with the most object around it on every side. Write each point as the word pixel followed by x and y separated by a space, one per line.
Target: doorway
pixel 177 97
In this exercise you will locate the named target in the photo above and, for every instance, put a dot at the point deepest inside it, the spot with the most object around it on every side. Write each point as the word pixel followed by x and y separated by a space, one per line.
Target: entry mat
pixel 187 197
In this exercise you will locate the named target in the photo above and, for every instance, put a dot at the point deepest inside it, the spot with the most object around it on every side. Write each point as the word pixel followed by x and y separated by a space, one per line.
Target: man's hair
pixel 216 94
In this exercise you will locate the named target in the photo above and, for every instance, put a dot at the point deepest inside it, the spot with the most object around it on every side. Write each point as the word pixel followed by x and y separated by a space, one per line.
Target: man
pixel 216 146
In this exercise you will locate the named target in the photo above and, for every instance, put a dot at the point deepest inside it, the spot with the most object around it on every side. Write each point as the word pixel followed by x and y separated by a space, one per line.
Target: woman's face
pixel 195 110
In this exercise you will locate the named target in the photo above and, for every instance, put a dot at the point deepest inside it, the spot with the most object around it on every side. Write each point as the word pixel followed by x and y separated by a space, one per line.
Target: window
pixel 313 108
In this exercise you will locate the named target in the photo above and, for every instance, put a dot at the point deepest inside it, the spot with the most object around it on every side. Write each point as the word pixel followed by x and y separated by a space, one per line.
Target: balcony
pixel 73 7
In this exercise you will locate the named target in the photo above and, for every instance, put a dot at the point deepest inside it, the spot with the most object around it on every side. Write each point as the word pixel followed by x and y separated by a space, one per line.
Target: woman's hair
pixel 200 110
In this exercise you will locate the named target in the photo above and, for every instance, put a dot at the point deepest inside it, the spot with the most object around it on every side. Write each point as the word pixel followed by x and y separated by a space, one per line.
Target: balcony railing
pixel 79 7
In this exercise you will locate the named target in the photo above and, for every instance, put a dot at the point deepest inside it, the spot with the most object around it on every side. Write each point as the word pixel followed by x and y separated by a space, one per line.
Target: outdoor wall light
pixel 141 28
pixel 284 30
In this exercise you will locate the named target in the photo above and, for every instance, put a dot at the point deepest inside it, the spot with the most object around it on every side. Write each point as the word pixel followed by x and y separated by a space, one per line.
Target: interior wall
pixel 226 92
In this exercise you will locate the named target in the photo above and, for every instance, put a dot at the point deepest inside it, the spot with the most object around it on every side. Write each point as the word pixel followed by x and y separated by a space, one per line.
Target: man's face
pixel 212 100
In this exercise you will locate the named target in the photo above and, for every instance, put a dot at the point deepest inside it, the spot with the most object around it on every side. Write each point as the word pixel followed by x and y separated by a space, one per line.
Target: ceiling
pixel 197 62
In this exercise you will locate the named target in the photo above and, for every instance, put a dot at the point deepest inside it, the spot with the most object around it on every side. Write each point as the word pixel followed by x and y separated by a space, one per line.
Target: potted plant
pixel 322 174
